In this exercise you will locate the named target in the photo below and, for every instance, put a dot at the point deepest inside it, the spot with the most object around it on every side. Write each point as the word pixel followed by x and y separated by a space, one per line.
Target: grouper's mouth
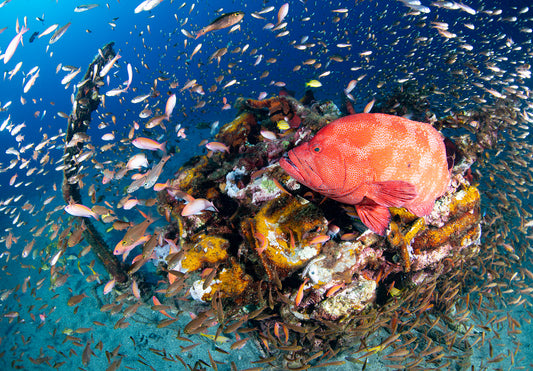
pixel 292 165
pixel 302 171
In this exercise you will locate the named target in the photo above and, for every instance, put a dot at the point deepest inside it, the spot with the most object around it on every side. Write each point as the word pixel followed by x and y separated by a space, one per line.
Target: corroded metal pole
pixel 86 101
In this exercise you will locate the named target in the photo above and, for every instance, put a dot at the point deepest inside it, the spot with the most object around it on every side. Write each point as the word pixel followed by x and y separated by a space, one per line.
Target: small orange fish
pixel 80 210
pixel 149 144
pixel 123 248
pixel 334 289
pixel 109 286
pixel 134 234
pixel 13 179
pixel 27 249
pixel 217 147
pixel 374 161
pixel 160 186
pixel 276 330
pixel 285 332
pixel 262 241
pixel 319 239
pixel 163 312
pixel 300 294
pixel 197 206
pixel 135 289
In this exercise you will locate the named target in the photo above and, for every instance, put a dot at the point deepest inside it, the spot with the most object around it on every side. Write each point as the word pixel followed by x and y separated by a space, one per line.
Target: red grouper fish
pixel 374 161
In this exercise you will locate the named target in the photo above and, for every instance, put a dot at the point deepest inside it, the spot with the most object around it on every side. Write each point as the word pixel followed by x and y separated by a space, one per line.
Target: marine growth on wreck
pixel 296 255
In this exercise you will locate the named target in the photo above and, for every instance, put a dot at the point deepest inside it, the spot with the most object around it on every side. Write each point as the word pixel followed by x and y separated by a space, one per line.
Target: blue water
pixel 403 47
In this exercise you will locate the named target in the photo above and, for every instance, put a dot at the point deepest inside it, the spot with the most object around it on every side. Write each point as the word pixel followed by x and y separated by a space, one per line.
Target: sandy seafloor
pixel 23 338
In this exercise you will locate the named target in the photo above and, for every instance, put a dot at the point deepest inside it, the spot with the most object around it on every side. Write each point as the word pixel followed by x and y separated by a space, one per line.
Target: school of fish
pixel 179 70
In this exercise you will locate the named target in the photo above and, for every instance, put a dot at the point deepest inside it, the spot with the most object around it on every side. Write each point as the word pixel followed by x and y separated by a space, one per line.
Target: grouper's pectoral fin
pixel 374 216
pixel 391 193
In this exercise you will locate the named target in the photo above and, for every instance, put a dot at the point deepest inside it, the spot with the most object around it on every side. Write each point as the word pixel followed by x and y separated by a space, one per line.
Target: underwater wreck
pixel 295 271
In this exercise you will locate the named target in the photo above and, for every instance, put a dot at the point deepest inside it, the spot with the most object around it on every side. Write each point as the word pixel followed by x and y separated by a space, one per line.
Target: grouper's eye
pixel 317 149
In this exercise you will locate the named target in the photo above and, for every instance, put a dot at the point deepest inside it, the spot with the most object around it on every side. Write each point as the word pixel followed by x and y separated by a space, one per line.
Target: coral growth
pixel 279 108
pixel 208 250
pixel 281 232
pixel 236 133
pixel 230 282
